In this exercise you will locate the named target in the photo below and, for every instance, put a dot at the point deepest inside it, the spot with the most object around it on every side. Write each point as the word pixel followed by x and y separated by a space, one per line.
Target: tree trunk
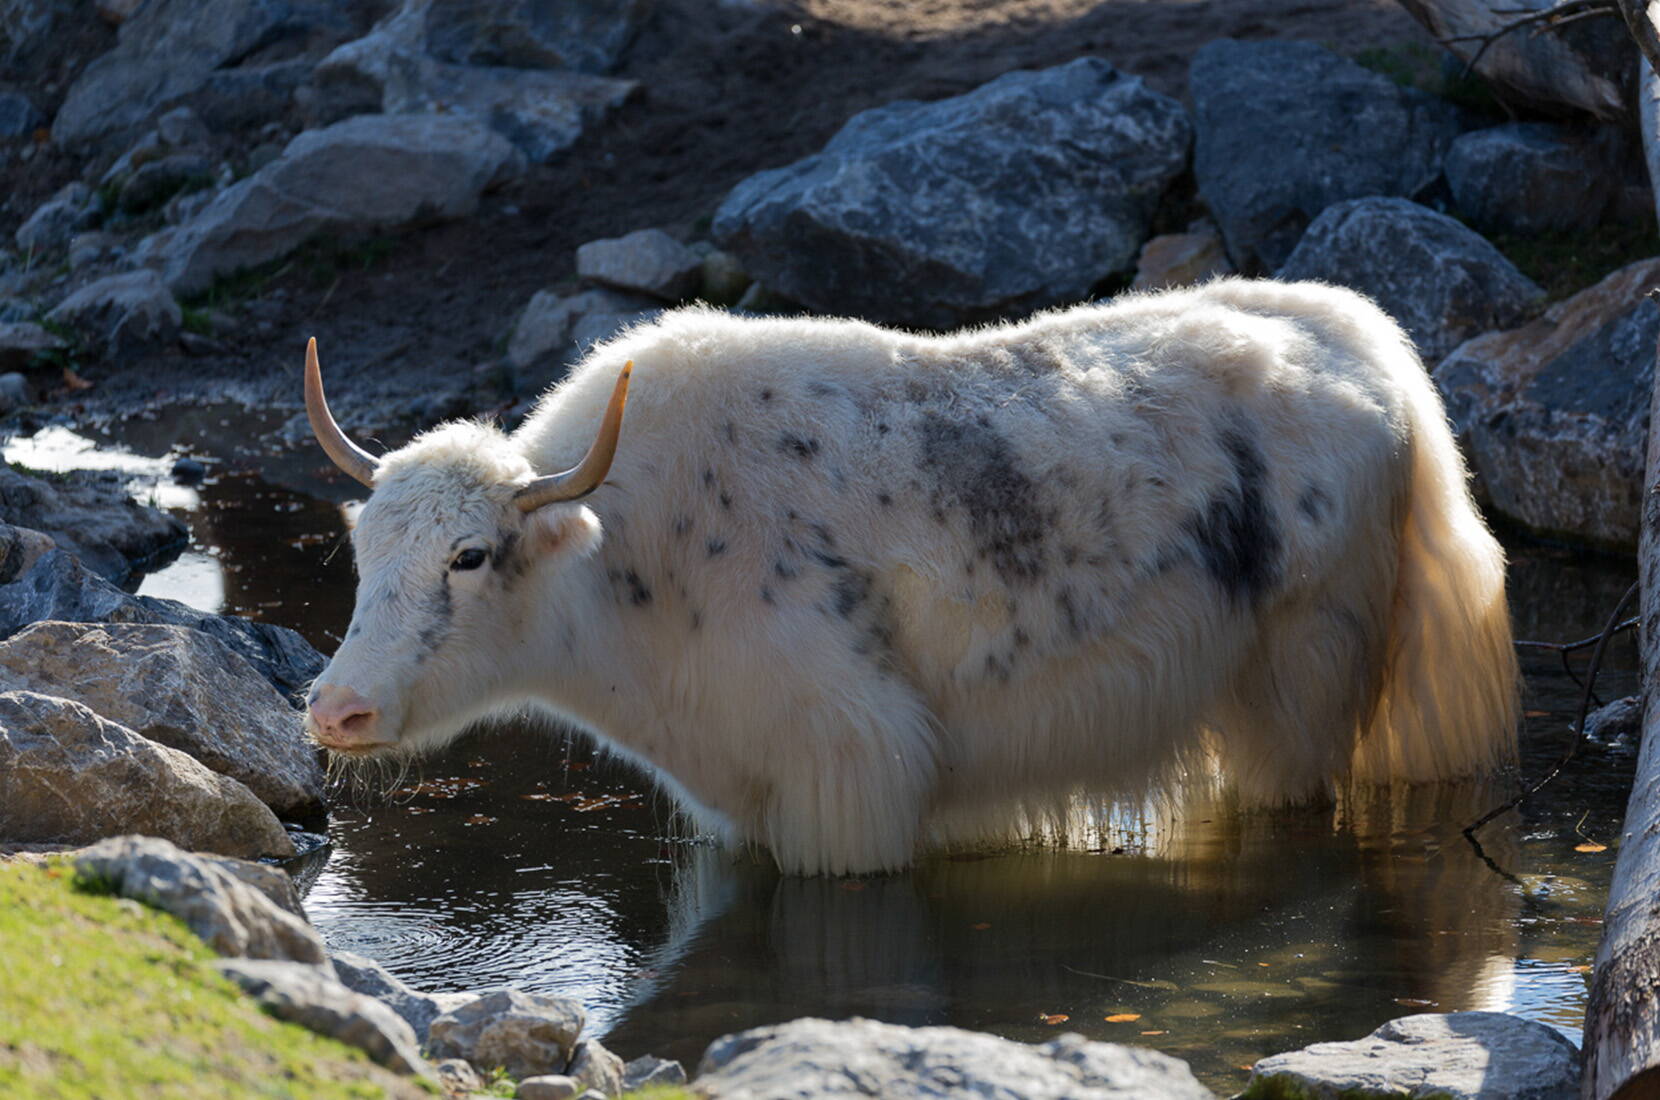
pixel 1622 1020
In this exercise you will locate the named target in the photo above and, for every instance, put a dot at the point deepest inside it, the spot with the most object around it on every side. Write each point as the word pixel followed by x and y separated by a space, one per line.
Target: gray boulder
pixel 310 997
pixel 527 1033
pixel 650 1071
pixel 68 775
pixel 596 1068
pixel 1617 724
pixel 71 209
pixel 178 687
pixel 807 1059
pixel 364 975
pixel 1460 1056
pixel 235 907
pixel 545 336
pixel 584 35
pixel 1442 281
pixel 21 341
pixel 37 584
pixel 169 49
pixel 158 180
pixel 549 1086
pixel 390 71
pixel 1533 177
pixel 1283 130
pixel 1554 415
pixel 123 314
pixel 648 261
pixel 368 172
pixel 18 115
pixel 1023 193
pixel 90 514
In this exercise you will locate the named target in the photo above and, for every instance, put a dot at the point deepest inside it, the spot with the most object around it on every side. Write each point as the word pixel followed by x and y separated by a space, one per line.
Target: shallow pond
pixel 518 858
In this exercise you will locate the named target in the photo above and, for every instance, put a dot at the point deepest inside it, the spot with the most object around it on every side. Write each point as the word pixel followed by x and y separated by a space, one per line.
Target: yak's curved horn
pixel 585 476
pixel 347 455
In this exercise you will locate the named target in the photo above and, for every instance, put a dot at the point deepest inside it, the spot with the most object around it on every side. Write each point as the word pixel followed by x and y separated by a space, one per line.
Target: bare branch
pixel 1541 20
pixel 1641 25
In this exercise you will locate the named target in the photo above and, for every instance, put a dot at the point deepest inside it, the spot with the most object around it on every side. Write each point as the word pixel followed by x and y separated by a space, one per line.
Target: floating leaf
pixel 1590 846
pixel 1155 1033
pixel 1413 1002
pixel 1123 1017
pixel 480 819
pixel 1579 969
pixel 852 887
pixel 1054 1019
pixel 981 926
pixel 1537 714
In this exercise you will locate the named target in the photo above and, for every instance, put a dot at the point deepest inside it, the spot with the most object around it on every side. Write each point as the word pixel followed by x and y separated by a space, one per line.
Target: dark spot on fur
pixel 975 470
pixel 716 547
pixel 824 534
pixel 697 620
pixel 726 500
pixel 440 616
pixel 1069 555
pixel 708 475
pixel 820 389
pixel 792 444
pixel 1069 611
pixel 638 593
pixel 997 668
pixel 884 500
pixel 1236 537
pixel 828 560
pixel 505 558
pixel 1021 640
pixel 1314 503
pixel 731 432
pixel 784 570
pixel 852 589
pixel 682 525
pixel 766 595
pixel 766 395
pixel 882 429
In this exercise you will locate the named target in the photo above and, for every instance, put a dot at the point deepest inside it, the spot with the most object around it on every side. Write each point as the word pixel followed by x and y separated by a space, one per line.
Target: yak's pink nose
pixel 342 719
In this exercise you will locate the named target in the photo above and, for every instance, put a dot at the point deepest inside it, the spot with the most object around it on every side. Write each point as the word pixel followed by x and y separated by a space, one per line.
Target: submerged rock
pixel 1026 192
pixel 181 688
pixel 68 775
pixel 807 1059
pixel 232 905
pixel 1283 130
pixel 1442 281
pixel 39 583
pixel 527 1033
pixel 1460 1056
pixel 309 996
pixel 1554 415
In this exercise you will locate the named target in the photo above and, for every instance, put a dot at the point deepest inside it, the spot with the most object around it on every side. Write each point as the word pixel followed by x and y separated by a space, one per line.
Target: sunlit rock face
pixel 1026 192
pixel 1554 415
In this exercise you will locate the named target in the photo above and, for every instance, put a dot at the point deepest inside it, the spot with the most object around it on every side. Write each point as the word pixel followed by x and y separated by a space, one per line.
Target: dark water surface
pixel 517 858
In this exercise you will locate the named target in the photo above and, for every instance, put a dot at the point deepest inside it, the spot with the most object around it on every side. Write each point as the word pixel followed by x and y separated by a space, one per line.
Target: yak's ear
pixel 348 513
pixel 568 530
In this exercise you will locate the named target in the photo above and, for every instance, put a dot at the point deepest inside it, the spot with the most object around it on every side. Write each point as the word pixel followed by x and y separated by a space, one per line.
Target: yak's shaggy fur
pixel 858 592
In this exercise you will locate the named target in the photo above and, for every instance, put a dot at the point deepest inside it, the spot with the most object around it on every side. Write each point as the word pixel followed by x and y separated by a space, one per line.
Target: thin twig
pixel 1562 649
pixel 1579 721
pixel 1543 20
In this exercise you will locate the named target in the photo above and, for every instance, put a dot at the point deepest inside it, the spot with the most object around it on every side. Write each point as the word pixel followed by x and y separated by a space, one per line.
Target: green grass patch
pixel 1565 263
pixel 1416 65
pixel 102 997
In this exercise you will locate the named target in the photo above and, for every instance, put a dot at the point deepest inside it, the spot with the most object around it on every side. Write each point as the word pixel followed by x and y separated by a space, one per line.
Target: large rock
pixel 546 335
pixel 1442 281
pixel 310 997
pixel 1458 1056
pixel 228 903
pixel 68 775
pixel 650 1071
pixel 122 314
pixel 71 209
pixel 647 261
pixel 1584 65
pixel 527 1033
pixel 1554 415
pixel 1534 177
pixel 368 172
pixel 37 584
pixel 807 1059
pixel 390 70
pixel 1283 130
pixel 364 975
pixel 585 35
pixel 181 688
pixel 170 49
pixel 597 1068
pixel 90 514
pixel 1023 193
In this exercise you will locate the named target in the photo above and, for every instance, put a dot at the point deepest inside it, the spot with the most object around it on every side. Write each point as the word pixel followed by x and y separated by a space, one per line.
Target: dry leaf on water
pixel 1590 846
pixel 1122 1017
pixel 1055 1018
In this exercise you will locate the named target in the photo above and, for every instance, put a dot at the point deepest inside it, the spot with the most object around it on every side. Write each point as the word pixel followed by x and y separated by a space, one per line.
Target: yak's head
pixel 457 535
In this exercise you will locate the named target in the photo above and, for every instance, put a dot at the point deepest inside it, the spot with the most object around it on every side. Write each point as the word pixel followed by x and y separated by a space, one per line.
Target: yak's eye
pixel 468 559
